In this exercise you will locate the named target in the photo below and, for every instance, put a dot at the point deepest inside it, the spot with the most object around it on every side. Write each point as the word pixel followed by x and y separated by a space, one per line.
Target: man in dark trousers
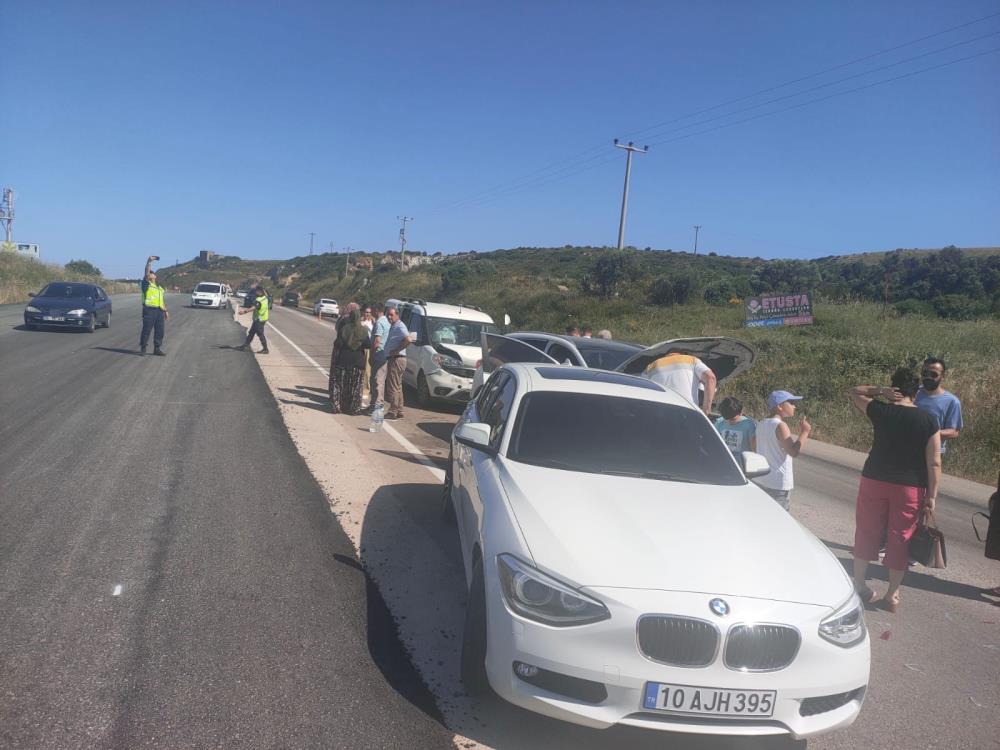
pixel 261 307
pixel 154 310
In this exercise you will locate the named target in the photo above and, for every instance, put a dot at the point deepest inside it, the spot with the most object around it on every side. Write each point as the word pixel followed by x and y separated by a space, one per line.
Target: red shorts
pixel 886 511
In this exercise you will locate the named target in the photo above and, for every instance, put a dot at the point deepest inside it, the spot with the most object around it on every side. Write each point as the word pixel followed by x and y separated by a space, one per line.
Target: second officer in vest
pixel 154 310
pixel 261 312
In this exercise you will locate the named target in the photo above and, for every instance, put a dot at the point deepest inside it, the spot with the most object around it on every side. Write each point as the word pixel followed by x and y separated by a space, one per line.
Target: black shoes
pixel 159 353
pixel 263 351
pixel 241 348
pixel 142 351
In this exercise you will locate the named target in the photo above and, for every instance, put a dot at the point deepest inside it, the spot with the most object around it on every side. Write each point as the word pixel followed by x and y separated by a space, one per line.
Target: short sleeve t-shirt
pixel 397 332
pixel 678 372
pixel 901 435
pixel 736 436
pixel 945 407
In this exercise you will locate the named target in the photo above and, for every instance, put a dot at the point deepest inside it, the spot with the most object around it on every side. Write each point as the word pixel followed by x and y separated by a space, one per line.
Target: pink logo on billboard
pixel 779 310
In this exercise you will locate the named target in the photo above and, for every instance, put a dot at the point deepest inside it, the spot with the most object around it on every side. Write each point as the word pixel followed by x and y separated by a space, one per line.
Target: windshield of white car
pixel 459 332
pixel 599 434
pixel 212 288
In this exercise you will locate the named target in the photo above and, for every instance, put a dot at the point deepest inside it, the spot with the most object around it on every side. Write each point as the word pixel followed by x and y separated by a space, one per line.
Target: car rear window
pixel 601 434
pixel 605 358
pixel 213 288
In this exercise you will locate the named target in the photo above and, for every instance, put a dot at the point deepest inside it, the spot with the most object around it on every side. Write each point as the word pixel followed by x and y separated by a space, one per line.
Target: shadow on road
pixel 439 461
pixel 441 407
pixel 440 430
pixel 133 352
pixel 428 595
pixel 303 393
pixel 47 329
pixel 318 406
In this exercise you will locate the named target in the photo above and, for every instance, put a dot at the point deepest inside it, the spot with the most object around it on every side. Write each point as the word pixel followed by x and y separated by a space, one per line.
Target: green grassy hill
pixel 19 276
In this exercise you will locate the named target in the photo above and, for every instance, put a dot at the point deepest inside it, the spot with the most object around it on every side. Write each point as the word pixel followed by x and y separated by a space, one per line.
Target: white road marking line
pixel 117 591
pixel 421 457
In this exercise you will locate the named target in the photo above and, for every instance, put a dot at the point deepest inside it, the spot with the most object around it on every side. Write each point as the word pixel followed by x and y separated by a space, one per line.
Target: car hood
pixel 725 356
pixel 470 355
pixel 605 531
pixel 62 303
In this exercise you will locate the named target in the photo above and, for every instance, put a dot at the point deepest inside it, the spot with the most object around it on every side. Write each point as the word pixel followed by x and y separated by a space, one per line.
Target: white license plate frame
pixel 54 318
pixel 698 700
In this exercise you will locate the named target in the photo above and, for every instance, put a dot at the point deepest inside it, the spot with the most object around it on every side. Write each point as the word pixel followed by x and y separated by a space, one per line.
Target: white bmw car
pixel 622 570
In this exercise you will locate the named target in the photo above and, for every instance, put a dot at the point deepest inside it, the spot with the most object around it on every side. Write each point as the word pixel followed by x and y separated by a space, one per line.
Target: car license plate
pixel 53 317
pixel 688 699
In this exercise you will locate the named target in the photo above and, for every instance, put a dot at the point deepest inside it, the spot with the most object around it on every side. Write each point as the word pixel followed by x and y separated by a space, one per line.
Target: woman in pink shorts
pixel 901 475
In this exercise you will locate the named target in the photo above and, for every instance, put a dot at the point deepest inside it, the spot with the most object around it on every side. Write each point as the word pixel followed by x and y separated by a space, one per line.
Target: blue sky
pixel 132 129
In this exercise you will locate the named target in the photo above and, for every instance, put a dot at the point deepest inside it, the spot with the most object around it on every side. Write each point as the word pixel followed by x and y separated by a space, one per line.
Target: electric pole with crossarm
pixel 628 170
pixel 402 241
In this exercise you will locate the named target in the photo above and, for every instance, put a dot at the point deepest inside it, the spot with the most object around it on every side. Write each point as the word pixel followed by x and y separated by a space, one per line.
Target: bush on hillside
pixel 959 307
pixel 719 292
pixel 914 307
pixel 611 273
pixel 83 266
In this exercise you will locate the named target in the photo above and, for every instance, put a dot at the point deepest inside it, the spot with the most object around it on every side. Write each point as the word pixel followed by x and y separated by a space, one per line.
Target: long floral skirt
pixel 345 389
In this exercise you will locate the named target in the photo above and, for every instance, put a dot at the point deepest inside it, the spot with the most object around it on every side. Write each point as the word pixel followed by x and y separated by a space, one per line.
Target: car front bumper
pixel 67 321
pixel 596 674
pixel 212 303
pixel 446 386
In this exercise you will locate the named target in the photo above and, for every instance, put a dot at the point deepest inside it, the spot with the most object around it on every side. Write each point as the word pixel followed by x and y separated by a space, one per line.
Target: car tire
pixel 447 506
pixel 474 677
pixel 92 325
pixel 107 321
pixel 424 398
pixel 31 326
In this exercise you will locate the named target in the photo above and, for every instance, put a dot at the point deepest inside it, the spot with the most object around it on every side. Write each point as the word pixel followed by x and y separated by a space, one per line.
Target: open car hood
pixel 725 356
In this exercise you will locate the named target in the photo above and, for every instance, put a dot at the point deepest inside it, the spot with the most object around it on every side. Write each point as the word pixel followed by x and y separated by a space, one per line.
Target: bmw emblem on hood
pixel 719 607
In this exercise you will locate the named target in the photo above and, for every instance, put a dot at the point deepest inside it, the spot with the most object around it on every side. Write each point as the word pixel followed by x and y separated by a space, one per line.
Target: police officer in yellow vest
pixel 154 310
pixel 261 312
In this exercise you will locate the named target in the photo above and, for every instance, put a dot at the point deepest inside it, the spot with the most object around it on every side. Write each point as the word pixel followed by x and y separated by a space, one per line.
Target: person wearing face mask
pixel 941 403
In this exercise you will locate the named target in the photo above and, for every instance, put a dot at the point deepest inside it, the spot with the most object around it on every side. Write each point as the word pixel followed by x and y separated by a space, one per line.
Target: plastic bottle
pixel 378 416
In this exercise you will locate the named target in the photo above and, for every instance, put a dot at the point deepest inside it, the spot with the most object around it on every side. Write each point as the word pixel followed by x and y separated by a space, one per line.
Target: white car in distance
pixel 623 570
pixel 326 306
pixel 210 294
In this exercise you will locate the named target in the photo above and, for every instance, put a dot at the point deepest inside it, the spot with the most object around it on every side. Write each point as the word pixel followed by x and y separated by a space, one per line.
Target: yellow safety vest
pixel 154 296
pixel 264 311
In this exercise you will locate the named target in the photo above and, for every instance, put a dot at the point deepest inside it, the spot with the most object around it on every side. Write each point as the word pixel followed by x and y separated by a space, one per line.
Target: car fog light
pixel 525 670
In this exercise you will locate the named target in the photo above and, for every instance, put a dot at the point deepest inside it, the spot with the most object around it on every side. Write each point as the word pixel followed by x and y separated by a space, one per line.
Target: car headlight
pixel 846 626
pixel 78 311
pixel 537 596
pixel 443 360
pixel 32 308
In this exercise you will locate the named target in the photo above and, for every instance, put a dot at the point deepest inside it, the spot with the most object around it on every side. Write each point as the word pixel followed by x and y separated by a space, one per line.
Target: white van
pixel 210 294
pixel 441 361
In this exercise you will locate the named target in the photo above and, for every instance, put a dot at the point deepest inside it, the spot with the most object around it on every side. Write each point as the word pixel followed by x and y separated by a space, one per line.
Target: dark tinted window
pixel 68 291
pixel 605 358
pixel 562 354
pixel 599 434
pixel 211 288
pixel 498 409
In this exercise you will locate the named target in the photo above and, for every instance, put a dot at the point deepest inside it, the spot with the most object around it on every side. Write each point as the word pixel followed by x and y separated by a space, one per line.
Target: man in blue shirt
pixel 941 403
pixel 376 383
pixel 394 347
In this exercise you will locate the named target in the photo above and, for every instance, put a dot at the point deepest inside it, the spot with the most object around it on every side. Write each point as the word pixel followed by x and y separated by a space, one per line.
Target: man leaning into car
pixel 154 310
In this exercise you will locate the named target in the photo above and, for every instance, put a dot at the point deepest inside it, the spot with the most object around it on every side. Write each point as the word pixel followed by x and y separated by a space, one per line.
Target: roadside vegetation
pixel 873 313
pixel 20 276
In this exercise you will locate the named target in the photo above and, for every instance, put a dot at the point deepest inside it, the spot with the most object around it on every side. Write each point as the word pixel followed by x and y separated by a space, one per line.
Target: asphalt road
pixel 170 574
pixel 935 664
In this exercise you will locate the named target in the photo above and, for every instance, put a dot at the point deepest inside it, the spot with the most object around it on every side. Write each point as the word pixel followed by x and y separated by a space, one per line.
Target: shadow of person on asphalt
pixel 917 580
pixel 133 352
pixel 440 430
pixel 299 391
pixel 440 461
pixel 426 585
pixel 323 406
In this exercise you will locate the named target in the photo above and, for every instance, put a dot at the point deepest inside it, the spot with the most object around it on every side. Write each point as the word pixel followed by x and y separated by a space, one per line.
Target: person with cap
pixel 261 306
pixel 777 444
pixel 154 310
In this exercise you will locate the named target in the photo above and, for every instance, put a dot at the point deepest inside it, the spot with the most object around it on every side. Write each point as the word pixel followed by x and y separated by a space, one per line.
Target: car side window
pixel 562 354
pixel 415 325
pixel 498 409
pixel 405 314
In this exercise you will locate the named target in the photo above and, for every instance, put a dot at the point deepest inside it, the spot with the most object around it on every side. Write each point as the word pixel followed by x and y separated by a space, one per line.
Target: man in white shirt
pixel 683 373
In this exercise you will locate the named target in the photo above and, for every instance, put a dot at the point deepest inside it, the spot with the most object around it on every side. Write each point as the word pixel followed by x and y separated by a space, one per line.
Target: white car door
pixel 415 351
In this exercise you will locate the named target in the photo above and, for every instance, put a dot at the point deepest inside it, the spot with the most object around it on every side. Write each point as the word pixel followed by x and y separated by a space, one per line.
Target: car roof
pixel 581 343
pixel 564 378
pixel 443 310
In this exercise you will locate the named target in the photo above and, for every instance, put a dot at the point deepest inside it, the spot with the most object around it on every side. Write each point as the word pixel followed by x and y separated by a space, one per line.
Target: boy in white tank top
pixel 777 444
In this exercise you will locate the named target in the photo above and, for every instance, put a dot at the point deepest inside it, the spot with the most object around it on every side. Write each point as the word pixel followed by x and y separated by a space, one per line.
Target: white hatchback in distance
pixel 210 294
pixel 623 570
pixel 326 306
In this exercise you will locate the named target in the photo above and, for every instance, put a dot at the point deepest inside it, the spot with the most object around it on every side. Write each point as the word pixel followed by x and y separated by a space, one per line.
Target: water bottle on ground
pixel 378 416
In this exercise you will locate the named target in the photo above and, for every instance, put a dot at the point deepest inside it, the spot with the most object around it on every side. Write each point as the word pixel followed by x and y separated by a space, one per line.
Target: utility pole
pixel 347 263
pixel 312 236
pixel 402 241
pixel 628 170
pixel 696 228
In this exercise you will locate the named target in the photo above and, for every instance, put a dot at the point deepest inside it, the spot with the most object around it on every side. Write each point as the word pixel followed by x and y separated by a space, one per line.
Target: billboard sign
pixel 779 310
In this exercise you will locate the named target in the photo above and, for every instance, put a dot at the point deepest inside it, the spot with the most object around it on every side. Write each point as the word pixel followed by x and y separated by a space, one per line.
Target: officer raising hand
pixel 261 307
pixel 154 310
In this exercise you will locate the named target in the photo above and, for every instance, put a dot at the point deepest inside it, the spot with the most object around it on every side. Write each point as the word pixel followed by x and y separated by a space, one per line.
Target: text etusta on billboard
pixel 779 310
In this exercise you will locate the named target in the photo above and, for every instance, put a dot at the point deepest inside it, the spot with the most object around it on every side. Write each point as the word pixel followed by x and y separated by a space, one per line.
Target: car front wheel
pixel 423 391
pixel 474 636
pixel 92 325
pixel 107 321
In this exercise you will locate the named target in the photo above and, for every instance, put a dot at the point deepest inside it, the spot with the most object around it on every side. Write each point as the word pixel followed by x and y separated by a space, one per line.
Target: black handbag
pixel 927 545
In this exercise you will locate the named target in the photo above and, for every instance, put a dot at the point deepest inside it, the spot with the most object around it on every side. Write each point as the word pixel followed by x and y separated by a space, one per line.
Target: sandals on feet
pixel 889 605
pixel 867 595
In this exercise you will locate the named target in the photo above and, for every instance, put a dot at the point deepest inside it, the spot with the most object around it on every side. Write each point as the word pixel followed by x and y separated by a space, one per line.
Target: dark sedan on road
pixel 69 304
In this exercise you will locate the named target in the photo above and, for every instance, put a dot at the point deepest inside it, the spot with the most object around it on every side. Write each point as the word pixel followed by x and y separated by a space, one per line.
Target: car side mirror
pixel 32 294
pixel 754 464
pixel 475 435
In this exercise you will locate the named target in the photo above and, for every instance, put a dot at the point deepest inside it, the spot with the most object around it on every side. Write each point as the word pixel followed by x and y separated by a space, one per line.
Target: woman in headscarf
pixel 348 373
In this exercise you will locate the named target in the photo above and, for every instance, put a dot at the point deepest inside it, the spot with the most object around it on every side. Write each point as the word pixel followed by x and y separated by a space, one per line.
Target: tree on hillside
pixel 82 266
pixel 611 272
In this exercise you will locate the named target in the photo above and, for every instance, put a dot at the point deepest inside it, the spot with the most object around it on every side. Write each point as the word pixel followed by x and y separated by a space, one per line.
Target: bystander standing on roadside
pixel 347 377
pixel 587 332
pixel 395 345
pixel 943 404
pixel 377 358
pixel 369 323
pixel 993 535
pixel 604 333
pixel 899 480
pixel 572 331
pixel 683 373
pixel 738 432
pixel 777 444
pixel 261 306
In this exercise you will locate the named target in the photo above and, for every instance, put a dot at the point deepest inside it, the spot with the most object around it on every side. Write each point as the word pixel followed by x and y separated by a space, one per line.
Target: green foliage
pixel 959 307
pixel 83 266
pixel 915 307
pixel 673 290
pixel 719 292
pixel 662 292
pixel 612 272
